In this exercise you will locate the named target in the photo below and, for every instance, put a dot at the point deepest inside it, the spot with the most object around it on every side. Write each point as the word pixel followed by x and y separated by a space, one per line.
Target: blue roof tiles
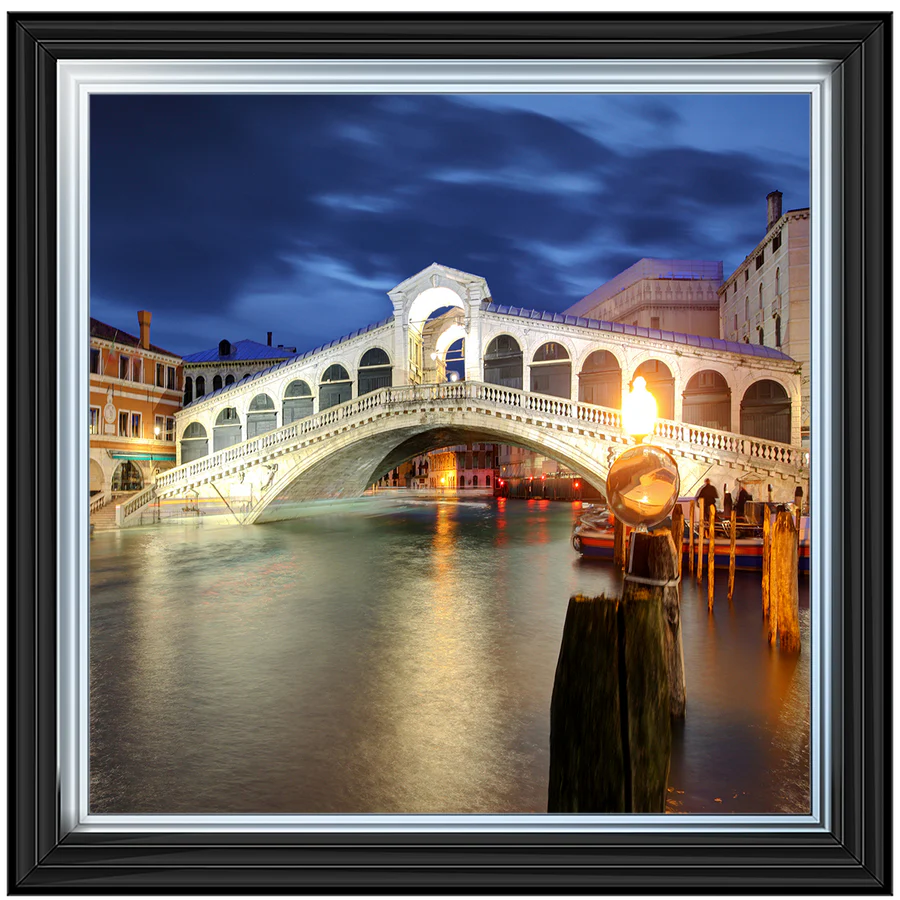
pixel 241 351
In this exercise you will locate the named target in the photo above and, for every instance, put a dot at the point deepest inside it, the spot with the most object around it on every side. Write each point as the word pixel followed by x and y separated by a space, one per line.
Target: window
pixel 136 425
pixel 188 390
pixel 160 375
pixel 123 366
pixel 170 377
pixel 123 424
pixel 170 428
pixel 95 420
pixel 229 380
pixel 137 371
pixel 777 331
pixel 759 259
pixel 654 322
pixel 746 275
pixel 159 424
pixel 778 281
pixel 776 242
pixel 760 299
pixel 735 322
pixel 761 340
pixel 746 308
pixel 95 361
pixel 217 382
pixel 201 386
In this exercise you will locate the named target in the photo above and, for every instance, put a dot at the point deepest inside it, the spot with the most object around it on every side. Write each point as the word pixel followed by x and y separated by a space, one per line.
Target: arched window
pixel 760 299
pixel 201 386
pixel 761 334
pixel 503 362
pixel 474 481
pixel 707 401
pixel 217 383
pixel 778 281
pixel 298 402
pixel 551 371
pixel 261 416
pixel 127 477
pixel 777 331
pixel 661 384
pixel 194 443
pixel 335 387
pixel 766 412
pixel 374 371
pixel 188 390
pixel 229 380
pixel 600 380
pixel 224 348
pixel 227 430
pixel 746 309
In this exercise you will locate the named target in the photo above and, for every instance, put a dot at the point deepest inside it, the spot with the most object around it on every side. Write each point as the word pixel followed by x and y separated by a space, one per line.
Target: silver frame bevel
pixel 78 80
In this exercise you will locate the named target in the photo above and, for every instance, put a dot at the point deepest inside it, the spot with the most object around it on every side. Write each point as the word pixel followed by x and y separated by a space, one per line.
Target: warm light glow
pixel 442 480
pixel 639 410
pixel 157 430
pixel 577 484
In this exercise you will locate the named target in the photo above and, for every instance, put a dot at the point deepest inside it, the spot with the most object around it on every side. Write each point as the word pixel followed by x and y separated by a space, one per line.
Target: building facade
pixel 662 294
pixel 211 370
pixel 765 300
pixel 135 392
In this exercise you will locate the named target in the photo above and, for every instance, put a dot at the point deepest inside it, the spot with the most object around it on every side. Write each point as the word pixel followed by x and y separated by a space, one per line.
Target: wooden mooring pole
pixel 711 595
pixel 731 555
pixel 619 543
pixel 678 535
pixel 783 575
pixel 691 538
pixel 614 691
pixel 701 523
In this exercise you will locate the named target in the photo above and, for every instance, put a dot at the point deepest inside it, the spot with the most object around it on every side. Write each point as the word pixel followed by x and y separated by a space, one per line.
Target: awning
pixel 145 456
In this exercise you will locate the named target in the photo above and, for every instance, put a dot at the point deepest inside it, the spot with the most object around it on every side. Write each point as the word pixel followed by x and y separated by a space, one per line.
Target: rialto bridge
pixel 331 421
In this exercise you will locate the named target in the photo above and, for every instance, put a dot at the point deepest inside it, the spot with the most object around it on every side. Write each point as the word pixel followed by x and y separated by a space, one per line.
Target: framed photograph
pixel 334 653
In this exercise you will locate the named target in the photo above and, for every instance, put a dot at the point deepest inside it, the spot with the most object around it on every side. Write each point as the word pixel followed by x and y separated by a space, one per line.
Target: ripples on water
pixel 393 656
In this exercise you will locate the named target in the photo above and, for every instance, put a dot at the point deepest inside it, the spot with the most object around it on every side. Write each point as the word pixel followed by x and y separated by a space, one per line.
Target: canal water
pixel 395 655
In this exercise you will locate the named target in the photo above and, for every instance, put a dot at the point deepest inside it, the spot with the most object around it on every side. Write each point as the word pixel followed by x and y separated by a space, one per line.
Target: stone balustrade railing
pixel 99 502
pixel 569 412
pixel 133 504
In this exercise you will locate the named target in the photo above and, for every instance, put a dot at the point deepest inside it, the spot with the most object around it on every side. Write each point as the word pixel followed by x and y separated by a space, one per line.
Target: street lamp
pixel 639 411
pixel 156 431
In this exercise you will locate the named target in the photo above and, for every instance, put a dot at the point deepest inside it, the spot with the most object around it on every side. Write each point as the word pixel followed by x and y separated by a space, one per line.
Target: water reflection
pixel 396 658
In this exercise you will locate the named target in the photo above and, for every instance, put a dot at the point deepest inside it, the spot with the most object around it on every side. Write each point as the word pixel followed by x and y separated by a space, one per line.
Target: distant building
pixel 766 301
pixel 210 370
pixel 665 294
pixel 135 391
pixel 460 467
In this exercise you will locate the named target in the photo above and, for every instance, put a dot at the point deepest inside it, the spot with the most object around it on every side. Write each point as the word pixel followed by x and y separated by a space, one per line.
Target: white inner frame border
pixel 77 80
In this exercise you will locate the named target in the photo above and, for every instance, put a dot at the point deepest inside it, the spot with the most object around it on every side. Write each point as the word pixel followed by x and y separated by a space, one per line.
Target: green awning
pixel 145 456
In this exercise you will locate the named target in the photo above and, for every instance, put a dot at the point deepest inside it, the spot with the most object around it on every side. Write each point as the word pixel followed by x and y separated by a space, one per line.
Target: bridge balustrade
pixel 570 411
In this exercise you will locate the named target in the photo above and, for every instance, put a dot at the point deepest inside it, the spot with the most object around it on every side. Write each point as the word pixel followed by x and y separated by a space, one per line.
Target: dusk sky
pixel 231 216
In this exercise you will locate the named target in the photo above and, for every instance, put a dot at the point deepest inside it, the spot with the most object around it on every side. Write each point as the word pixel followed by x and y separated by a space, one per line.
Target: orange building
pixel 135 390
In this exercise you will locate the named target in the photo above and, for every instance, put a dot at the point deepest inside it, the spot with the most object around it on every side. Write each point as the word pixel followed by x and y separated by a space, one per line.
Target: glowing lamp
pixel 156 430
pixel 453 376
pixel 577 484
pixel 639 411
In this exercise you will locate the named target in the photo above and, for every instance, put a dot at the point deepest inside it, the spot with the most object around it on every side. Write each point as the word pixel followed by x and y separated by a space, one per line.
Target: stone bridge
pixel 328 422
pixel 339 452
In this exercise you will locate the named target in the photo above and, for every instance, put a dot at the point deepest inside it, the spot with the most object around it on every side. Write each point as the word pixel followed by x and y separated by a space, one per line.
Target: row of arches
pixel 765 405
pixel 374 371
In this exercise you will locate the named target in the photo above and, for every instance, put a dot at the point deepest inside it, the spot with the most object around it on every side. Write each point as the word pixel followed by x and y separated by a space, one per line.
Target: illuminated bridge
pixel 329 422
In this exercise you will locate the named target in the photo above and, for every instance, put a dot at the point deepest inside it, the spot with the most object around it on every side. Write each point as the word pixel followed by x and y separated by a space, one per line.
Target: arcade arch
pixel 766 412
pixel 297 403
pixel 261 416
pixel 707 401
pixel 374 371
pixel 127 477
pixel 335 386
pixel 227 430
pixel 551 370
pixel 600 380
pixel 194 443
pixel 503 362
pixel 660 383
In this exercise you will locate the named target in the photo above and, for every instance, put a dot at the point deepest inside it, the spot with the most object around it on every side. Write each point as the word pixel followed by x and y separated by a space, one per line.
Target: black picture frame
pixel 853 858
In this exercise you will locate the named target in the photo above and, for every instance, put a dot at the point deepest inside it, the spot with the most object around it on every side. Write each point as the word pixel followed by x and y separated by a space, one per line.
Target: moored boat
pixel 594 536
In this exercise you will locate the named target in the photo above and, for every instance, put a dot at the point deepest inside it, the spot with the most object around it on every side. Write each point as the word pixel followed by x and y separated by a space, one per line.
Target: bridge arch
pixel 194 443
pixel 551 369
pixel 335 386
pixel 600 379
pixel 434 298
pixel 707 400
pixel 504 360
pixel 766 411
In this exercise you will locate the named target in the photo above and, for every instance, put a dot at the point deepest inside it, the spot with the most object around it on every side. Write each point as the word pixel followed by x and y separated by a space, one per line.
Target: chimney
pixel 269 338
pixel 773 202
pixel 144 322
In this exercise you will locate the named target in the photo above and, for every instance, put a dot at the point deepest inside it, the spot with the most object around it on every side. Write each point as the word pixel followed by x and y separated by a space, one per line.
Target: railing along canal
pixel 571 412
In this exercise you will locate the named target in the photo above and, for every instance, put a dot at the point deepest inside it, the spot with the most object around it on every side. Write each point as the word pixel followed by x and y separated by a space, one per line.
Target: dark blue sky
pixel 231 216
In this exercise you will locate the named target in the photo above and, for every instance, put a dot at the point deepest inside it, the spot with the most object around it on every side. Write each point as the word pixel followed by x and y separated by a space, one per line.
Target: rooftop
pixel 659 269
pixel 116 336
pixel 241 351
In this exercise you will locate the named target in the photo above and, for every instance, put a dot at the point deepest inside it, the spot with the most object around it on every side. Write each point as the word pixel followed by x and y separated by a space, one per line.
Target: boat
pixel 594 537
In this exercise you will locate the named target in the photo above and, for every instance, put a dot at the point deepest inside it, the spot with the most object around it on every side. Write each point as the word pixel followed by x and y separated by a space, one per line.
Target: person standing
pixel 743 498
pixel 708 494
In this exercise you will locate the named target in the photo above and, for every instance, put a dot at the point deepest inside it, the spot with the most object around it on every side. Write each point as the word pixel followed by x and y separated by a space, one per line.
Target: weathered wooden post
pixel 678 534
pixel 765 564
pixel 784 588
pixel 712 557
pixel 619 543
pixel 691 539
pixel 798 502
pixel 610 729
pixel 731 554
pixel 701 523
